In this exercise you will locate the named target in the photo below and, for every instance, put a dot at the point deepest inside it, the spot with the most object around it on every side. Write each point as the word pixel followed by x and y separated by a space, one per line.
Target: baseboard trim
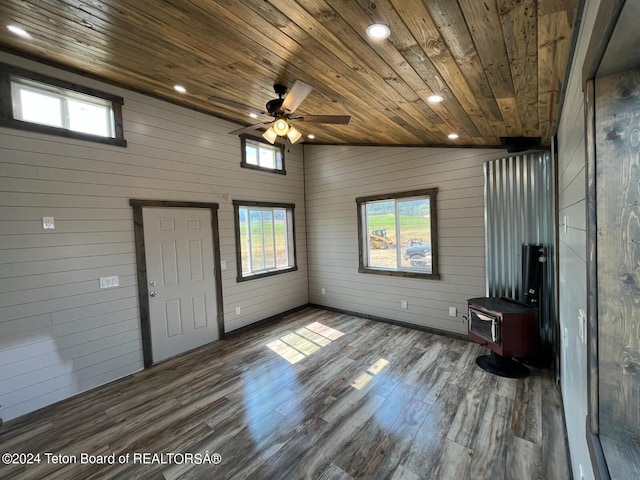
pixel 376 318
pixel 264 321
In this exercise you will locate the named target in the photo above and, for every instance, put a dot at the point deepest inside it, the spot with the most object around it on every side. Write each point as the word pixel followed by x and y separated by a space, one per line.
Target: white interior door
pixel 181 275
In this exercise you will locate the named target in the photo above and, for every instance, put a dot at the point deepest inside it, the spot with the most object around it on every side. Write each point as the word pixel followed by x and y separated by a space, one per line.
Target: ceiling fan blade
pixel 296 96
pixel 249 128
pixel 236 105
pixel 337 119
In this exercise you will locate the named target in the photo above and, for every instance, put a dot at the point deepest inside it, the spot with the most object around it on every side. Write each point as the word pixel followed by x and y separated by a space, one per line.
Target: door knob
pixel 152 294
pixel 152 283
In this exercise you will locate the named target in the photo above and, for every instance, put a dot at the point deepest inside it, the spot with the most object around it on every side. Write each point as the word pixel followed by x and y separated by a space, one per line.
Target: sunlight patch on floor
pixel 294 346
pixel 365 377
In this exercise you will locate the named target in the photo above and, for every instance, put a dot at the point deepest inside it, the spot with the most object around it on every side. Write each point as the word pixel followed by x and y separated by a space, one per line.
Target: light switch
pixel 582 325
pixel 223 265
pixel 48 223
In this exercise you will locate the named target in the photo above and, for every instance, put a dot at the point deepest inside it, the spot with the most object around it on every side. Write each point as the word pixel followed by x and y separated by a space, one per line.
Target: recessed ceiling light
pixel 453 136
pixel 179 89
pixel 311 136
pixel 435 98
pixel 378 31
pixel 18 31
pixel 253 115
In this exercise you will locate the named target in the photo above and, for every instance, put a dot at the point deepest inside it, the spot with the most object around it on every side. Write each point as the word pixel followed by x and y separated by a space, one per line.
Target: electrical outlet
pixel 237 310
pixel 223 265
pixel 453 312
pixel 48 223
pixel 404 304
pixel 323 291
pixel 109 282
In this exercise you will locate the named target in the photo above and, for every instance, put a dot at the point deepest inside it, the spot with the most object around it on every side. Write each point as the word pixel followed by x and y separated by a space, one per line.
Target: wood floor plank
pixel 493 440
pixel 335 473
pixel 527 415
pixel 554 452
pixel 524 460
pixel 403 473
pixel 365 400
pixel 470 414
pixel 454 462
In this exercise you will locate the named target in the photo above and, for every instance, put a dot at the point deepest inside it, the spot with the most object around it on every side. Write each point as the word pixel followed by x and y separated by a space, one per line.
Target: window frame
pixel 243 160
pixel 7 118
pixel 363 241
pixel 237 205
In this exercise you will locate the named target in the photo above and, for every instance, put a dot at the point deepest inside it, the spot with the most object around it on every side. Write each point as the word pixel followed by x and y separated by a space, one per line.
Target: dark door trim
pixel 141 262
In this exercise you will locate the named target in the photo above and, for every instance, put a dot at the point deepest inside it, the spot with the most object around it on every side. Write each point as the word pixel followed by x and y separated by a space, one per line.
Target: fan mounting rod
pixel 274 107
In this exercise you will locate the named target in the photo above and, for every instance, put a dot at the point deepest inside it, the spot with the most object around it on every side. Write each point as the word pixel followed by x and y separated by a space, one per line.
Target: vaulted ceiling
pixel 499 64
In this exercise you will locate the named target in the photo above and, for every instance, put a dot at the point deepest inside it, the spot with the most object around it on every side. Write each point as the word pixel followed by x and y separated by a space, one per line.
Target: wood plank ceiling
pixel 499 64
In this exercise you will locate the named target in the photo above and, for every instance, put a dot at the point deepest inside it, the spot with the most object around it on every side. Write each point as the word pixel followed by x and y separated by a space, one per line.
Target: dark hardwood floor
pixel 317 395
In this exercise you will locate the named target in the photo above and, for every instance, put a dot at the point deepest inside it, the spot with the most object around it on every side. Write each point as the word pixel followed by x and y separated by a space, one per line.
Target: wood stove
pixel 508 328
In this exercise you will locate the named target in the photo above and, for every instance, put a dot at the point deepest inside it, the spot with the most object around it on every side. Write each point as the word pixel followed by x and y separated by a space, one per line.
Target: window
pixel 51 106
pixel 265 241
pixel 398 234
pixel 259 155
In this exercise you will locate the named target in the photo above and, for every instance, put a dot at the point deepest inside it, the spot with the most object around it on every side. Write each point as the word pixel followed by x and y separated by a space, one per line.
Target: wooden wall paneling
pixel 617 136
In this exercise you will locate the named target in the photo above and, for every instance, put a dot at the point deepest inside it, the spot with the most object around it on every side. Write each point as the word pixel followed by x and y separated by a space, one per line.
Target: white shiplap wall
pixel 572 252
pixel 335 176
pixel 59 333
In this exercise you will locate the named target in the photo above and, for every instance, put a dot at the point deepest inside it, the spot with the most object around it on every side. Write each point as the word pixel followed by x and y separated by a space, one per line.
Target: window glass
pixel 259 155
pixel 39 107
pixel 89 118
pixel 264 239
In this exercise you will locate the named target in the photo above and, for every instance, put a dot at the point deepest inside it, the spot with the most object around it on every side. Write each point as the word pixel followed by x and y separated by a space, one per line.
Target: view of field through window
pixel 263 236
pixel 399 234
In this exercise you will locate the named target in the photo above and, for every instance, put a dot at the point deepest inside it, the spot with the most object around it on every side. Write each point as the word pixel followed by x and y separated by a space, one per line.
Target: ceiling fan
pixel 282 110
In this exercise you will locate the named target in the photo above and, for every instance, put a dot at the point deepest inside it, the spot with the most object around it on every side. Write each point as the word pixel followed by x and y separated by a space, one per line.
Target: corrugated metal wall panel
pixel 520 209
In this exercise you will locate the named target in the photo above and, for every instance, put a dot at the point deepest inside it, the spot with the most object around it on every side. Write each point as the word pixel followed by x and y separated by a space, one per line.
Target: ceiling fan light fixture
pixel 270 135
pixel 294 135
pixel 280 127
pixel 378 31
